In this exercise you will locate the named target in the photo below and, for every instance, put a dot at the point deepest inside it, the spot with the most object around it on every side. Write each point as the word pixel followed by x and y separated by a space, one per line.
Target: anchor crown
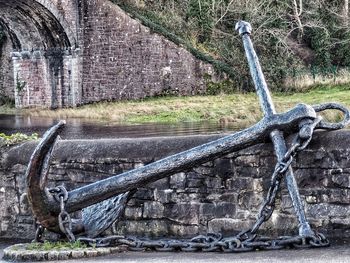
pixel 243 27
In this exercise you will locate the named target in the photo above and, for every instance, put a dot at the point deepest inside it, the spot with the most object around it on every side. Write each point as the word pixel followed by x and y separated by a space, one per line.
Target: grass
pixel 16 138
pixel 47 246
pixel 8 108
pixel 239 109
pixel 304 82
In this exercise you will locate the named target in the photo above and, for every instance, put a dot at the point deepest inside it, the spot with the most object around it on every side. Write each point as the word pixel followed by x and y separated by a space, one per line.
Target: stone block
pixel 247 161
pixel 184 213
pixel 160 184
pixel 201 171
pixel 286 204
pixel 153 210
pixel 341 180
pixel 149 228
pixel 133 213
pixel 311 178
pixel 311 199
pixel 251 172
pixel 215 210
pixel 335 196
pixel 231 197
pixel 250 201
pixel 280 225
pixel 228 226
pixel 183 231
pixel 213 182
pixel 144 194
pixel 195 183
pixel 324 210
pixel 340 223
pixel 240 184
pixel 164 196
pixel 223 168
pixel 178 180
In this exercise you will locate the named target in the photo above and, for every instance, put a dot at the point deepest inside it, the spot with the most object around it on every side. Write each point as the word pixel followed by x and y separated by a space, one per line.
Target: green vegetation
pixel 56 246
pixel 240 109
pixel 292 38
pixel 20 85
pixel 7 105
pixel 16 138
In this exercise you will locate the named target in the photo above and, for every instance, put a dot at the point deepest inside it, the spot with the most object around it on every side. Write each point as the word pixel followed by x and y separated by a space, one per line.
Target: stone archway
pixel 44 58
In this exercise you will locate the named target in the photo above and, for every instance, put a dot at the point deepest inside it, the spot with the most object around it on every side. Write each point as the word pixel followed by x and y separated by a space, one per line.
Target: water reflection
pixel 87 129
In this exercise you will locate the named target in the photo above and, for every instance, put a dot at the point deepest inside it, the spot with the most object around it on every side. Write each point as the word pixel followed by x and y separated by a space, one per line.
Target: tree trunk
pixel 345 13
pixel 298 10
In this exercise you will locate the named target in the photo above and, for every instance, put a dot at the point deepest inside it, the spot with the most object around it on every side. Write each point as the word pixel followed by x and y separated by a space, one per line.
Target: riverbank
pixel 240 109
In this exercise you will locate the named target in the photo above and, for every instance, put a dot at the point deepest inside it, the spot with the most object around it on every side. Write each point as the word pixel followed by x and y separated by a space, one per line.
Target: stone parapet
pixel 223 195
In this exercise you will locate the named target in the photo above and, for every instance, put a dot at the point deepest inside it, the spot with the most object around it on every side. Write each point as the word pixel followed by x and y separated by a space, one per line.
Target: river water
pixel 89 129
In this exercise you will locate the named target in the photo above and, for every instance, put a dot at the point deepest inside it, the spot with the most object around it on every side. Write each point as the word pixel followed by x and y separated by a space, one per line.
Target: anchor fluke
pixel 36 176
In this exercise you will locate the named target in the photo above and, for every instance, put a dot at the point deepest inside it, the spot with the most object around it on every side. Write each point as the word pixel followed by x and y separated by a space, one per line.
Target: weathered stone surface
pixel 150 228
pixel 20 253
pixel 153 210
pixel 133 213
pixel 228 226
pixel 189 203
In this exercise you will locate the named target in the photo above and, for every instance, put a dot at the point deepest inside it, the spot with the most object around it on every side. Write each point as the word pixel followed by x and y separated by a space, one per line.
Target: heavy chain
pixel 299 143
pixel 60 194
pixel 243 242
pixel 209 243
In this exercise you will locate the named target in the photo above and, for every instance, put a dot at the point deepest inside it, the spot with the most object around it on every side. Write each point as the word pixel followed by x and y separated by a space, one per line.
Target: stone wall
pixel 6 71
pixel 123 59
pixel 223 195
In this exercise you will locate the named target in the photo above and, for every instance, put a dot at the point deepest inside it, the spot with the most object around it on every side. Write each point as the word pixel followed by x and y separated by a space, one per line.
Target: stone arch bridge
pixel 62 53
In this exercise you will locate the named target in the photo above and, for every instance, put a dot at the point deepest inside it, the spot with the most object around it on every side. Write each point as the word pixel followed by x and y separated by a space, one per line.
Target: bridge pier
pixel 47 78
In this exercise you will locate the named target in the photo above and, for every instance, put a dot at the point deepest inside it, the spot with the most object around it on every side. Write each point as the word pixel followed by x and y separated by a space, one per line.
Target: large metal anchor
pixel 103 202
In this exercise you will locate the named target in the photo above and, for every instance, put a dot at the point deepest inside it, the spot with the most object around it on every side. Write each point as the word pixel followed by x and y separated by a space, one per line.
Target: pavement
pixel 336 253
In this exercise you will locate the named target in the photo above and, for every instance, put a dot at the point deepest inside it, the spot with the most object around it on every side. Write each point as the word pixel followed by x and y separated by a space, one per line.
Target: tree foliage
pixel 289 35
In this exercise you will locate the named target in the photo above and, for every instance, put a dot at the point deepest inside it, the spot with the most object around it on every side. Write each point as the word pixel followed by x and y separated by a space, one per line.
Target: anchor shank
pixel 102 190
pixel 276 135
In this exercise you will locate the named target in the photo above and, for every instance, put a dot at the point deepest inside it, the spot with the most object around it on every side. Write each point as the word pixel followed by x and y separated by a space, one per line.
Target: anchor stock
pixel 276 136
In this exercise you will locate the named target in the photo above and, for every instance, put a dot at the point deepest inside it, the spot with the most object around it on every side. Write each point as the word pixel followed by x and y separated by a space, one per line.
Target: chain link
pixel 60 194
pixel 243 242
pixel 209 243
pixel 39 232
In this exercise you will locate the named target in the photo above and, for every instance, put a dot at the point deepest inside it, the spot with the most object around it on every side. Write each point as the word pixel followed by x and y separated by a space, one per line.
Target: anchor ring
pixel 329 125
